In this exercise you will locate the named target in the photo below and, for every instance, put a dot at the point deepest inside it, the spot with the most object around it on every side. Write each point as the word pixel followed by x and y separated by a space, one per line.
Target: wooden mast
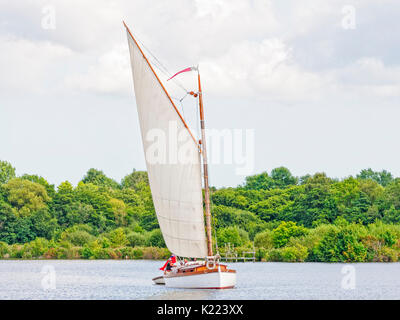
pixel 205 171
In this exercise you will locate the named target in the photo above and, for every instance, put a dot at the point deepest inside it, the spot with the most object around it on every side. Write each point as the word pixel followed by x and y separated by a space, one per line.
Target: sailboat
pixel 183 214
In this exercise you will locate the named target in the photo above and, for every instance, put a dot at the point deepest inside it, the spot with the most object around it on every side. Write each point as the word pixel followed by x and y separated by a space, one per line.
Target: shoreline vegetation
pixel 312 218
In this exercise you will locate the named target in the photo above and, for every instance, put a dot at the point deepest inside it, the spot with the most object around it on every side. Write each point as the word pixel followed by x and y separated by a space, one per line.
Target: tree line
pixel 286 218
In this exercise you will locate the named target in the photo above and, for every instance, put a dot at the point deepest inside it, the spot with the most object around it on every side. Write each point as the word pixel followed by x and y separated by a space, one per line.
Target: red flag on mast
pixel 184 70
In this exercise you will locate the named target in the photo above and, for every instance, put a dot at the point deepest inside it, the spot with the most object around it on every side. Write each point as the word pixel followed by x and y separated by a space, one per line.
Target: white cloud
pixel 30 65
pixel 260 69
pixel 245 48
pixel 110 74
pixel 369 76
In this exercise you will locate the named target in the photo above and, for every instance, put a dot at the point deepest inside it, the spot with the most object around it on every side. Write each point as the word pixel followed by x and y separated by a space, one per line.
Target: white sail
pixel 176 187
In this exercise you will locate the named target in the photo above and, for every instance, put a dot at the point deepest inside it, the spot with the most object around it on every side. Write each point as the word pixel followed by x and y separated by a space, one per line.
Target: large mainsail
pixel 176 185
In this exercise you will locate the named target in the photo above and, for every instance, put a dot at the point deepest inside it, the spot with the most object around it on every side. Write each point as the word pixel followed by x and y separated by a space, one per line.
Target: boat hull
pixel 159 280
pixel 206 280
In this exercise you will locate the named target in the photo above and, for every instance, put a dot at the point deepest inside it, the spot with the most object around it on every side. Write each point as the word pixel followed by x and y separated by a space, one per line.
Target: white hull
pixel 159 280
pixel 212 280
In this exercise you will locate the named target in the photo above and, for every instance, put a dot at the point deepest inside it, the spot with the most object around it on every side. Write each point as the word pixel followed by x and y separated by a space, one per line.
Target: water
pixel 111 279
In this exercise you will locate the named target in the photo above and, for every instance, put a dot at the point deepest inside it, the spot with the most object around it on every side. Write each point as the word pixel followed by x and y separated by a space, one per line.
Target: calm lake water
pixel 110 279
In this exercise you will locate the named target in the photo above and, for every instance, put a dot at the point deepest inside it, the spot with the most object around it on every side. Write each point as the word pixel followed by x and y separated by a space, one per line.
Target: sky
pixel 316 82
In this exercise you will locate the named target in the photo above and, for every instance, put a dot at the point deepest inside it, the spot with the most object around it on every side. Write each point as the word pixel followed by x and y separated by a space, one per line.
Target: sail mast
pixel 205 171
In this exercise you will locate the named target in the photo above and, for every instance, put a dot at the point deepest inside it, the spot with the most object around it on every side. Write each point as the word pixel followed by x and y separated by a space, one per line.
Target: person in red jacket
pixel 168 265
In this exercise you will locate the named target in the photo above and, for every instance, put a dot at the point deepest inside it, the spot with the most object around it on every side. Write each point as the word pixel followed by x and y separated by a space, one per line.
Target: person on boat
pixel 169 264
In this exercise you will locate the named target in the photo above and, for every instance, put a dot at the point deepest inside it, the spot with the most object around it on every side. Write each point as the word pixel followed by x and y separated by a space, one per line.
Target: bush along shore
pixel 312 218
pixel 338 242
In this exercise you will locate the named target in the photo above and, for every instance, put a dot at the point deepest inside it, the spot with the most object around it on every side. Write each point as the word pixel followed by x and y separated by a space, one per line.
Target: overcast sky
pixel 317 81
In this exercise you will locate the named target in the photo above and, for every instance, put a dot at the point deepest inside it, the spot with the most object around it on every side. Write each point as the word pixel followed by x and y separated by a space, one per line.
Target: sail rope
pixel 157 63
pixel 161 67
pixel 181 104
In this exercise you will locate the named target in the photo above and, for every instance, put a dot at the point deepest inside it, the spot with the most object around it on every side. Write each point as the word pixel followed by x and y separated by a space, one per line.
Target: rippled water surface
pixel 110 279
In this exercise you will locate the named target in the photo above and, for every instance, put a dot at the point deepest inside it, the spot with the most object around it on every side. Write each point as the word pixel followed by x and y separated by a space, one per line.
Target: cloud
pixel 32 66
pixel 369 76
pixel 110 74
pixel 261 49
pixel 260 69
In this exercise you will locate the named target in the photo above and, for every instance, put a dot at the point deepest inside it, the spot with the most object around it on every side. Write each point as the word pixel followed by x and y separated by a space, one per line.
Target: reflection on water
pixel 109 279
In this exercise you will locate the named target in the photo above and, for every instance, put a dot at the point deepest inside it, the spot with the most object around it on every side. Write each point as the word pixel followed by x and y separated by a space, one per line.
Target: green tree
pixel 119 209
pixel 103 217
pixel 7 172
pixel 275 207
pixel 44 225
pixel 77 237
pixel 389 203
pixel 314 202
pixel 135 180
pixel 286 230
pixel 118 237
pixel 156 239
pixel 8 224
pixel 50 189
pixel 98 178
pixel 227 216
pixel 68 209
pixel 372 189
pixel 232 235
pixel 148 220
pixel 136 239
pixel 22 229
pixel 259 181
pixel 26 196
pixel 341 245
pixel 282 177
pixel 351 202
pixel 383 177
pixel 230 197
pixel 264 240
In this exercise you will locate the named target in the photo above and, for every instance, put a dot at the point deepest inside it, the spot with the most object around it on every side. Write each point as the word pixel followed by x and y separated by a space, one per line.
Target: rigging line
pixel 162 68
pixel 183 110
pixel 155 58
pixel 180 99
pixel 180 102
